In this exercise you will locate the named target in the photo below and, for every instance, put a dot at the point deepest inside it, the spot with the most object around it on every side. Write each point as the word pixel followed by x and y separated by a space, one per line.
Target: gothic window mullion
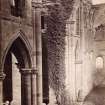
pixel 78 22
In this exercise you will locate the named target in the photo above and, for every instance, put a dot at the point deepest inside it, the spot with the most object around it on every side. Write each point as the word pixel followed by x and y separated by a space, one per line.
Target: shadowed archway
pixel 21 52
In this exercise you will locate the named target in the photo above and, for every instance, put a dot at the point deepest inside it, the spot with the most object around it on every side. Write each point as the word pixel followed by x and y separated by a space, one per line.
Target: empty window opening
pixel 42 22
pixel 17 7
pixel 99 63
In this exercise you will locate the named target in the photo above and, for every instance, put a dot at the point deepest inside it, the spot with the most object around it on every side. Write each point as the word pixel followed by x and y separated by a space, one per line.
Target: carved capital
pixel 26 71
pixel 2 76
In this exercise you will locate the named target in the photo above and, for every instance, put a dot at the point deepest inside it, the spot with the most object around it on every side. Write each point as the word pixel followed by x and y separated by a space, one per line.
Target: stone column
pixel 26 86
pixel 34 91
pixel 2 76
pixel 36 5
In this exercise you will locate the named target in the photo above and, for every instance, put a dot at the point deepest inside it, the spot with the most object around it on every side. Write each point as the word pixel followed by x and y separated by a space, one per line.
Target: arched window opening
pixel 17 7
pixel 99 63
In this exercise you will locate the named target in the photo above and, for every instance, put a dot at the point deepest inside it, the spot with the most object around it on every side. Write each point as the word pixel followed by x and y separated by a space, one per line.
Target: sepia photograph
pixel 52 52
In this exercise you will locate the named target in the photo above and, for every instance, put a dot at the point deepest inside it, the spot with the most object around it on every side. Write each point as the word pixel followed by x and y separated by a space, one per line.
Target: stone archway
pixel 21 52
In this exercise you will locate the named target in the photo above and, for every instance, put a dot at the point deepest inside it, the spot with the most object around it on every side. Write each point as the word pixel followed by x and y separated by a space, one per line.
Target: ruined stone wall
pixel 97 57
pixel 11 25
pixel 99 42
pixel 79 49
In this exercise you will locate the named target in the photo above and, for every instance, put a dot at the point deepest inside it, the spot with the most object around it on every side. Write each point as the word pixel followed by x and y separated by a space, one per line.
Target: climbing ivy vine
pixel 56 25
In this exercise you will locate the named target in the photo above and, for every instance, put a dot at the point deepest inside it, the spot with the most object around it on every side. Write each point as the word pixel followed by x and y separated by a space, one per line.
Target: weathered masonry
pixel 20 36
pixel 24 57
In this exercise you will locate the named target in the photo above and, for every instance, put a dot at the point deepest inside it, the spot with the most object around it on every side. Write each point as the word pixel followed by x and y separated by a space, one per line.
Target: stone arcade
pixel 23 39
pixel 21 36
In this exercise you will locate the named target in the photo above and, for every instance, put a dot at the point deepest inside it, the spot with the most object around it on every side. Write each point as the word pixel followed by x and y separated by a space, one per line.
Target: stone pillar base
pixel 2 76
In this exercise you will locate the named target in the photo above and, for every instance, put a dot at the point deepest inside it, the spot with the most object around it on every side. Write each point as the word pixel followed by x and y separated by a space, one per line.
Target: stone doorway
pixel 16 80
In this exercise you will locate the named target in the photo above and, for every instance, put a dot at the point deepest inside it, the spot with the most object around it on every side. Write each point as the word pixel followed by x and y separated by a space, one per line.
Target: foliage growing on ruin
pixel 56 25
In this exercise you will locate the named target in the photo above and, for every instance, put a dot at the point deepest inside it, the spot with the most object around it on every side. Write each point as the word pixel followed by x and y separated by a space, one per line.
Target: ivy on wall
pixel 56 25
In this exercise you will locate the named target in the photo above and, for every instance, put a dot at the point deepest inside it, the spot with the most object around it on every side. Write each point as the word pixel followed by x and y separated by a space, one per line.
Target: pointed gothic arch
pixel 21 48
pixel 23 39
